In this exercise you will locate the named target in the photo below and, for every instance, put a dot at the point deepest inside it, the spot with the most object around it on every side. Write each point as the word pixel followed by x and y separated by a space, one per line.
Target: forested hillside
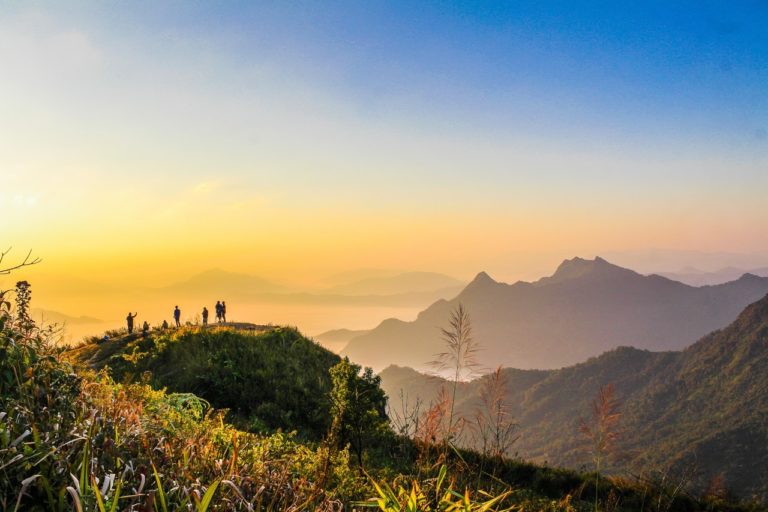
pixel 700 413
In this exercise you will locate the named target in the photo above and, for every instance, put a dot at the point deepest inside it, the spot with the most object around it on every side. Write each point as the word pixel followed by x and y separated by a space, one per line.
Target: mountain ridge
pixel 216 279
pixel 696 277
pixel 585 308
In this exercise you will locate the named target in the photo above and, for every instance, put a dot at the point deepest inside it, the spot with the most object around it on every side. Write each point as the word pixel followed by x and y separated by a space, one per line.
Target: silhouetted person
pixel 165 324
pixel 144 329
pixel 129 319
pixel 205 315
pixel 218 311
pixel 177 316
pixel 223 311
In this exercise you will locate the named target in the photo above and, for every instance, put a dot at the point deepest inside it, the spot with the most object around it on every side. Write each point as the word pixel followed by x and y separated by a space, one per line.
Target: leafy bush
pixel 359 408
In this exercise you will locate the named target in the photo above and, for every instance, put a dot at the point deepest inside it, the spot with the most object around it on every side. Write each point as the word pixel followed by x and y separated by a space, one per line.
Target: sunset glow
pixel 143 143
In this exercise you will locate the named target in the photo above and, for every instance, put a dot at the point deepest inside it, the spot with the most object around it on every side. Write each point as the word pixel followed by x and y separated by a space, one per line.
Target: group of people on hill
pixel 221 316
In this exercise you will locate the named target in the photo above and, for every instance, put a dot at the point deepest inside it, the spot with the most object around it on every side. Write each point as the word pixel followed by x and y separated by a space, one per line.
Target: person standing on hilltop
pixel 129 319
pixel 224 311
pixel 218 311
pixel 144 329
pixel 177 316
pixel 205 316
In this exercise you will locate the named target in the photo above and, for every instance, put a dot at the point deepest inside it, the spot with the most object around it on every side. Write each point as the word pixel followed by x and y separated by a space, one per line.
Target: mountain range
pixel 221 282
pixel 48 317
pixel 696 277
pixel 584 309
pixel 405 289
pixel 700 412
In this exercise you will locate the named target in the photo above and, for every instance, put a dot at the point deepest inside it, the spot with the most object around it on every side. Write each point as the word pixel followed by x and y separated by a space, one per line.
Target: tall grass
pixel 459 360
pixel 601 430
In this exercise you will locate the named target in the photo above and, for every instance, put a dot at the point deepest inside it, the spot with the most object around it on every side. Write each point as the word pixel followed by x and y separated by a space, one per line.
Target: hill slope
pixel 705 407
pixel 275 379
pixel 585 308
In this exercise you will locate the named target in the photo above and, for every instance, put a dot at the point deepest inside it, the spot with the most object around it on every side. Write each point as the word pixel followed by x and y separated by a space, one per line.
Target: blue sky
pixel 622 65
pixel 690 73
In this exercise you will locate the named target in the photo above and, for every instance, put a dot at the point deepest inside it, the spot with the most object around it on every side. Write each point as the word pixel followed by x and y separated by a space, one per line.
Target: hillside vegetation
pixel 276 379
pixel 113 426
pixel 700 414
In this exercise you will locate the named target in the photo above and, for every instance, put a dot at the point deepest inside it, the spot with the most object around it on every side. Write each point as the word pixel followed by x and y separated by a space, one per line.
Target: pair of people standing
pixel 221 311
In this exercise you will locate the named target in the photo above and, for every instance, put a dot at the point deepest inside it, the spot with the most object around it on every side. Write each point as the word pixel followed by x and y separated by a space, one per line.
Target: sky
pixel 142 142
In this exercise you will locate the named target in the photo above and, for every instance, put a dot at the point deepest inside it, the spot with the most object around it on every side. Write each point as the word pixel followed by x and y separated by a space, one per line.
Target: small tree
pixel 23 292
pixel 23 298
pixel 359 406
pixel 602 429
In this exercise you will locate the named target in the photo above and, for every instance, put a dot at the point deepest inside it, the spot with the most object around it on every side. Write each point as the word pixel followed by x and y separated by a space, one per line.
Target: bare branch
pixel 28 260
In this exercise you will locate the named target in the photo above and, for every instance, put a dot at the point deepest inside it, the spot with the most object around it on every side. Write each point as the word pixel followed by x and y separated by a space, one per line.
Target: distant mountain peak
pixel 215 271
pixel 482 278
pixel 225 281
pixel 577 262
pixel 579 267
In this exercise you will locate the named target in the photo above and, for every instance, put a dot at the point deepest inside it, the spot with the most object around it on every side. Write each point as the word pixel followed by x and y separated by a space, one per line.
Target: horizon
pixel 314 309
